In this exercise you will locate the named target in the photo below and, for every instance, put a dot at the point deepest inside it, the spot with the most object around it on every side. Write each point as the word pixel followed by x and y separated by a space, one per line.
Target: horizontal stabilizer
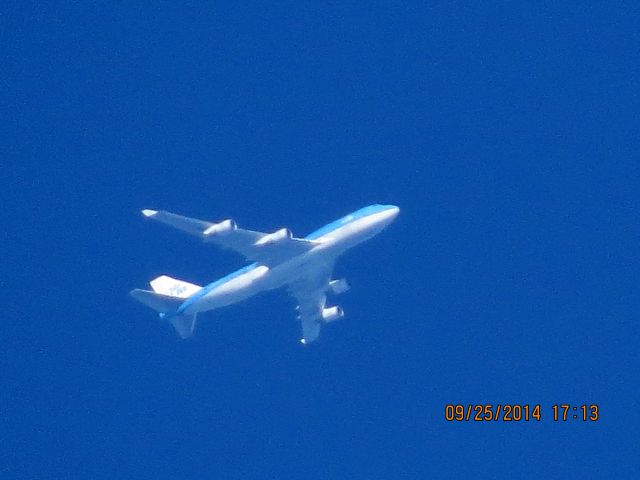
pixel 160 303
pixel 184 324
pixel 166 285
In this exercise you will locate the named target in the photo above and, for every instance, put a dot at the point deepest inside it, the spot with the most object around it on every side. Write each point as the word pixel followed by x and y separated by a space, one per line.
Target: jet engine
pixel 275 237
pixel 339 286
pixel 223 227
pixel 332 314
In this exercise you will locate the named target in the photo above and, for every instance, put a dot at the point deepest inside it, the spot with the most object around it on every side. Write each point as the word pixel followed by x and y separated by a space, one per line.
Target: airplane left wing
pixel 266 248
pixel 310 293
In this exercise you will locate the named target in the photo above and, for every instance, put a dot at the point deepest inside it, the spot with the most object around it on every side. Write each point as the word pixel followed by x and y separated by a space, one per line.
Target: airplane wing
pixel 265 248
pixel 310 293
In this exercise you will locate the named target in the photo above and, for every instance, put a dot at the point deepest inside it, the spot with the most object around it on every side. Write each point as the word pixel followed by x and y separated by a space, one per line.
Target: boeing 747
pixel 303 265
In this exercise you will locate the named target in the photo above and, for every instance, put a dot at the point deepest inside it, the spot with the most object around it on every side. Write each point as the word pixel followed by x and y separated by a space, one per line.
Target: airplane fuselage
pixel 332 240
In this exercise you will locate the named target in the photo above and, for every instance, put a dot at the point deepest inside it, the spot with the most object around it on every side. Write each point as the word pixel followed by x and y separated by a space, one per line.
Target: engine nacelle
pixel 339 286
pixel 275 237
pixel 223 227
pixel 332 314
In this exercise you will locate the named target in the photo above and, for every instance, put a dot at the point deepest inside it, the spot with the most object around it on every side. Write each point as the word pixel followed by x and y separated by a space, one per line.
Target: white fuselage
pixel 333 240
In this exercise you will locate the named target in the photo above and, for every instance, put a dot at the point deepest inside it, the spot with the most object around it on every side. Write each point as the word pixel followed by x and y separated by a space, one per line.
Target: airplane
pixel 303 265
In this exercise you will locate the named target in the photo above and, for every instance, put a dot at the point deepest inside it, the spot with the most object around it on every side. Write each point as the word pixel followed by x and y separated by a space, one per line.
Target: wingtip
pixel 149 213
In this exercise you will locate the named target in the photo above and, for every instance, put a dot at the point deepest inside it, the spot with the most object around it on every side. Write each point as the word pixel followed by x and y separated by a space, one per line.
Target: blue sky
pixel 506 132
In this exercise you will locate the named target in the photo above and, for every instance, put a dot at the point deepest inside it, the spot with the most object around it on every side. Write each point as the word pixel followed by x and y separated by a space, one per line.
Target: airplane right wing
pixel 310 293
pixel 268 249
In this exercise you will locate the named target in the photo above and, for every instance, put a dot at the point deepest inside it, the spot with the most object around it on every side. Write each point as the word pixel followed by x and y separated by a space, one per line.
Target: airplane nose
pixel 393 211
pixel 390 213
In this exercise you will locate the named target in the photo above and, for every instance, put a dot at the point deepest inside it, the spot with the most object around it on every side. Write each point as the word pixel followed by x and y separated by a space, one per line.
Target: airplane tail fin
pixel 167 296
pixel 166 285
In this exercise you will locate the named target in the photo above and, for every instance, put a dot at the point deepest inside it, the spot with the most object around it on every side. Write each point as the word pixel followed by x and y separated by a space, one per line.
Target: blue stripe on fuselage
pixel 363 212
pixel 207 288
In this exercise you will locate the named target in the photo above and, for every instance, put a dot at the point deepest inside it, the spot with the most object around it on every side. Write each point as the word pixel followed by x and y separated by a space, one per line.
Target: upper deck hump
pixel 363 212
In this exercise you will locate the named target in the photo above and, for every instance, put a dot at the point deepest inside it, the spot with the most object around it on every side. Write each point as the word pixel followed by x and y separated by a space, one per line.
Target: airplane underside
pixel 303 266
